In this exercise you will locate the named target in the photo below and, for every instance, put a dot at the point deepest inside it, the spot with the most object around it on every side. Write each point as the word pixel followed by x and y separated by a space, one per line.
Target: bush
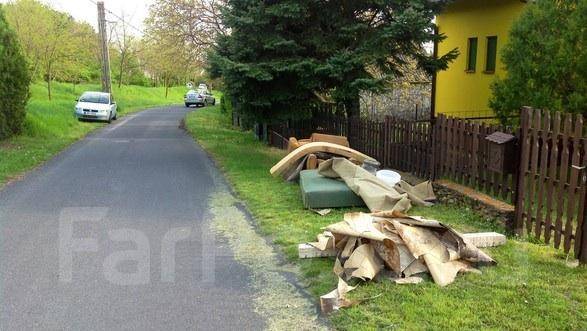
pixel 546 60
pixel 14 81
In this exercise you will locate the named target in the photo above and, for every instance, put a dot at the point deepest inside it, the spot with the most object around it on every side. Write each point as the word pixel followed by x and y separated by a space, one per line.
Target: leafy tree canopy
pixel 280 53
pixel 546 60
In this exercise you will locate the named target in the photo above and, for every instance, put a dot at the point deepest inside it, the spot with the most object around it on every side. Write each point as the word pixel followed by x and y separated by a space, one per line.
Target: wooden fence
pixel 553 180
pixel 549 195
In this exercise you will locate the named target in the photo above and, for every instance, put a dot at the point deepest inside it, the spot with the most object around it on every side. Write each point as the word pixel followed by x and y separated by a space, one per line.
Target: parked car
pixel 96 106
pixel 198 98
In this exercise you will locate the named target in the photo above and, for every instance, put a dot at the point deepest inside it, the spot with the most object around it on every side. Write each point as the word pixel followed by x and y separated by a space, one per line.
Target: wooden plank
pixel 451 150
pixel 564 169
pixel 580 235
pixel 441 147
pixel 544 154
pixel 461 152
pixel 552 171
pixel 533 169
pixel 315 147
pixel 572 189
pixel 487 175
pixel 526 117
pixel 475 156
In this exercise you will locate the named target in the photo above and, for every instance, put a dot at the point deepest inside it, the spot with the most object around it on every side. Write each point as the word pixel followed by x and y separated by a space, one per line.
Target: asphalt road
pixel 114 234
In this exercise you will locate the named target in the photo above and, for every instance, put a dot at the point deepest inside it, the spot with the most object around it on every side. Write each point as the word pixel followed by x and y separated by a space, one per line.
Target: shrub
pixel 545 59
pixel 14 81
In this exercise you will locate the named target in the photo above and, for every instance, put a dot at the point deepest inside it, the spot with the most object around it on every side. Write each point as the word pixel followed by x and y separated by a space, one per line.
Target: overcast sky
pixel 84 10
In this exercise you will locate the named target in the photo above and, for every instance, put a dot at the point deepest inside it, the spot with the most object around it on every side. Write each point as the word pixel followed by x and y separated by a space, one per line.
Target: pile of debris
pixel 386 242
pixel 368 244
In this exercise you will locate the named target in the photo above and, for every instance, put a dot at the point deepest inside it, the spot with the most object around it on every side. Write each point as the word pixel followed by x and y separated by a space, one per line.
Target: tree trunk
pixel 166 83
pixel 353 112
pixel 121 70
pixel 49 86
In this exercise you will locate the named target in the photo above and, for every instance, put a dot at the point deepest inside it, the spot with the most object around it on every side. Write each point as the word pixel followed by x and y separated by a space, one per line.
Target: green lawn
pixel 50 125
pixel 531 288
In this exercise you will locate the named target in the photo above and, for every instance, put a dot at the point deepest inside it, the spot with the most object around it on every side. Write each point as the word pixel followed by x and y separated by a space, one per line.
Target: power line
pixel 119 18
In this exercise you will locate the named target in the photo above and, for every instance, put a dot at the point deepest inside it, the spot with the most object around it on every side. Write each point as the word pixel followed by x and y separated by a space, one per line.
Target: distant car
pixel 96 106
pixel 198 98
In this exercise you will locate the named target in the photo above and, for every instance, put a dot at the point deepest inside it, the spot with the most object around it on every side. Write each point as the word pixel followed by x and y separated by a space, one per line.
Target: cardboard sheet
pixel 377 194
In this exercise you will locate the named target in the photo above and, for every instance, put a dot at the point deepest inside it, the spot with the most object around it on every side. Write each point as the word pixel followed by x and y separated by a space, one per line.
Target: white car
pixel 198 99
pixel 96 106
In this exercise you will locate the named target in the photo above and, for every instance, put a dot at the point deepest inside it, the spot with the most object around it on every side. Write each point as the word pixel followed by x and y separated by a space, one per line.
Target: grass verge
pixel 50 125
pixel 531 288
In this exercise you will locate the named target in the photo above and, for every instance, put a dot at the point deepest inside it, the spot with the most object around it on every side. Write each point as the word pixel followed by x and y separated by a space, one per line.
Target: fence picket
pixel 562 180
pixel 544 154
pixel 525 157
pixel 533 169
pixel 552 171
pixel 574 176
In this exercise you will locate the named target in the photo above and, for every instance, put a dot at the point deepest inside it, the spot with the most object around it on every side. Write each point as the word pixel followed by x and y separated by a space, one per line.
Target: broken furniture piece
pixel 322 192
pixel 317 137
pixel 291 161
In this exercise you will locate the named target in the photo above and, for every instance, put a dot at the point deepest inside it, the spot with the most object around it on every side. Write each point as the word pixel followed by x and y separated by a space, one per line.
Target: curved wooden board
pixel 315 147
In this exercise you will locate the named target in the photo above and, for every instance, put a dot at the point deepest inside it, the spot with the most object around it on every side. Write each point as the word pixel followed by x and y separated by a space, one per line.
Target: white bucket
pixel 389 177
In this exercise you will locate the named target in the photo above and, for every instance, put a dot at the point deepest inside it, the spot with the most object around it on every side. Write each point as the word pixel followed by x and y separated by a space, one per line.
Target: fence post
pixel 433 156
pixel 524 150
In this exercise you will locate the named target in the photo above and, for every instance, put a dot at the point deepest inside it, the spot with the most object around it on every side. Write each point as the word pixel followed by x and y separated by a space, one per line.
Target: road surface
pixel 113 234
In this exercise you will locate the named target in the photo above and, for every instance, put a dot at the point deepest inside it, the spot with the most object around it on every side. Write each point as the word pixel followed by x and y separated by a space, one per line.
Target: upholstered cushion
pixel 321 192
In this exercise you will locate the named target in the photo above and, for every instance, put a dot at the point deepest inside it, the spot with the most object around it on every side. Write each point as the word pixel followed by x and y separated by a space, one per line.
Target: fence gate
pixel 550 202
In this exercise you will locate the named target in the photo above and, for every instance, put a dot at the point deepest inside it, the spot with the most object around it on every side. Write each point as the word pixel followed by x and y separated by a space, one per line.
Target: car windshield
pixel 95 97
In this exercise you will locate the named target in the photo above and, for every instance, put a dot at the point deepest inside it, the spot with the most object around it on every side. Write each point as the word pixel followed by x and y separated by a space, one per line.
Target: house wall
pixel 466 94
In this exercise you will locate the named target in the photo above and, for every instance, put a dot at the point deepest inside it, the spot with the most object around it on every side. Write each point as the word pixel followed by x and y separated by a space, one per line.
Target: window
pixel 491 54
pixel 472 55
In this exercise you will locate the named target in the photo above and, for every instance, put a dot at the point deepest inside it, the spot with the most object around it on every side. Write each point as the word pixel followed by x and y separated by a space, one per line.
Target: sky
pixel 135 11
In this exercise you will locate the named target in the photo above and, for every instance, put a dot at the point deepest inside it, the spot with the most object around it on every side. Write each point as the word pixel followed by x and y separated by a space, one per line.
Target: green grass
pixel 50 125
pixel 531 288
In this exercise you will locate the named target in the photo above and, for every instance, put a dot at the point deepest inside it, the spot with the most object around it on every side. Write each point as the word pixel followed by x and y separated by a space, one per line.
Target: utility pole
pixel 106 82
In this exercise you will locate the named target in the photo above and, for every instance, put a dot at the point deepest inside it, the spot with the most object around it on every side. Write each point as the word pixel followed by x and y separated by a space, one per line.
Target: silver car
pixel 201 98
pixel 96 106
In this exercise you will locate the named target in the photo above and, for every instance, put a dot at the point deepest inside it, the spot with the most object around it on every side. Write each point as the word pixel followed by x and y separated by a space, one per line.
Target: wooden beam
pixel 312 148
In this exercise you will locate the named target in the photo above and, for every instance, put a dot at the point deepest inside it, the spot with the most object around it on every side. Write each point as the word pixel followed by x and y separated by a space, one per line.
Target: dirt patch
pixel 276 299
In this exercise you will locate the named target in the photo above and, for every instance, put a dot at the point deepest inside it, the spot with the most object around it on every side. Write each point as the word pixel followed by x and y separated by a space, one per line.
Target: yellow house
pixel 479 29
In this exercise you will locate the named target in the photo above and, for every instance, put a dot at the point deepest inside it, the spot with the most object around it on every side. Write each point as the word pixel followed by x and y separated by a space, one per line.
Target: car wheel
pixel 214 102
pixel 115 116
pixel 187 105
pixel 110 118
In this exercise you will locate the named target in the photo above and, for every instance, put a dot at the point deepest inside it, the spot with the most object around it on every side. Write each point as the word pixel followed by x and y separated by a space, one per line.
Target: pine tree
pixel 14 81
pixel 281 52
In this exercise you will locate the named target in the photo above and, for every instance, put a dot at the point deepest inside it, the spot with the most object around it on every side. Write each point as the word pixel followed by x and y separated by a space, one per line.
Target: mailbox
pixel 503 157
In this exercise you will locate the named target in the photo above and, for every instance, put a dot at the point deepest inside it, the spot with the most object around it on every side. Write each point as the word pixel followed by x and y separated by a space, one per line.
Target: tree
pixel 192 23
pixel 125 44
pixel 14 81
pixel 545 59
pixel 280 53
pixel 56 46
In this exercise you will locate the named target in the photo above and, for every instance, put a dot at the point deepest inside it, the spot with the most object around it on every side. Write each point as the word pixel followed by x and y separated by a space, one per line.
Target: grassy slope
pixel 531 288
pixel 50 125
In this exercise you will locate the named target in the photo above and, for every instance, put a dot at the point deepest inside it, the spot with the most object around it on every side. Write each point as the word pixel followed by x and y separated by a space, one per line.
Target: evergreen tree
pixel 280 53
pixel 545 59
pixel 14 81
